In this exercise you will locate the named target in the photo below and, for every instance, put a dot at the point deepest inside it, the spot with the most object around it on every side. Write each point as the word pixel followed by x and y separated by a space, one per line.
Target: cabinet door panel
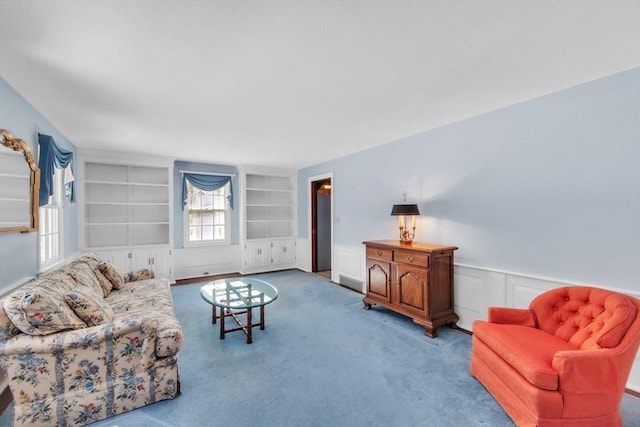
pixel 119 258
pixel 283 251
pixel 257 253
pixel 379 280
pixel 412 292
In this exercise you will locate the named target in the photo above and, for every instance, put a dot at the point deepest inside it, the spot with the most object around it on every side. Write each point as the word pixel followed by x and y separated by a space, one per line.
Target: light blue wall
pixel 178 218
pixel 548 187
pixel 19 252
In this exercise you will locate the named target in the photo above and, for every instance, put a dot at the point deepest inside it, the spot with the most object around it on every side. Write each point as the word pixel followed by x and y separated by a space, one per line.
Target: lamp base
pixel 406 236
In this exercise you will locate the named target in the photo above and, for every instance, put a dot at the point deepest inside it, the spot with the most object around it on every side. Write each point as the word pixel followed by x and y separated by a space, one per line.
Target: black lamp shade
pixel 405 210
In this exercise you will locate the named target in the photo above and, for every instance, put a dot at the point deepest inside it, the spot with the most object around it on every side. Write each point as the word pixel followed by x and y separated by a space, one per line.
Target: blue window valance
pixel 51 157
pixel 205 183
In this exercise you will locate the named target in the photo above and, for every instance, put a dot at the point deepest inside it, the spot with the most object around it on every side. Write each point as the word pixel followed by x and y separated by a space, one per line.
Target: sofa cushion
pixel 528 350
pixel 7 329
pixel 93 311
pixel 586 317
pixel 112 274
pixel 93 260
pixel 84 276
pixel 38 310
pixel 142 274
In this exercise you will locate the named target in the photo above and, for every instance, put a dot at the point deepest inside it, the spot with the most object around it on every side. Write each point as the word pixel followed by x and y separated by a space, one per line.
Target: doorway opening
pixel 321 227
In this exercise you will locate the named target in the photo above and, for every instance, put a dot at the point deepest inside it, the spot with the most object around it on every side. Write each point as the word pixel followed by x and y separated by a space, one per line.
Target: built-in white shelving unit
pixel 126 205
pixel 269 220
pixel 269 207
pixel 125 210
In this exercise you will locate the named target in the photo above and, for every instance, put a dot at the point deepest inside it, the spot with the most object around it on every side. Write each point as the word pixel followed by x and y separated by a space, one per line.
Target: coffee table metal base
pixel 246 328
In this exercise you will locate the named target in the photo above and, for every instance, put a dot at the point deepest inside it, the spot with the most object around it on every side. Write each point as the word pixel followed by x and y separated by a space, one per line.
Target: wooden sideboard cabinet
pixel 415 280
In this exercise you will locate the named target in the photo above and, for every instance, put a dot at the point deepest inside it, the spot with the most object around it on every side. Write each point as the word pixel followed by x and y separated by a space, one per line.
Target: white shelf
pixel 269 206
pixel 126 205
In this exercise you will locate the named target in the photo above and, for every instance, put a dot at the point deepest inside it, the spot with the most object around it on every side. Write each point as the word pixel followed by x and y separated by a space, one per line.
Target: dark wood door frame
pixel 315 187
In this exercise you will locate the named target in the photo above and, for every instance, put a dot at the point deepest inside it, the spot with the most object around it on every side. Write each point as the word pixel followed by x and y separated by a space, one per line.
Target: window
pixel 206 215
pixel 50 230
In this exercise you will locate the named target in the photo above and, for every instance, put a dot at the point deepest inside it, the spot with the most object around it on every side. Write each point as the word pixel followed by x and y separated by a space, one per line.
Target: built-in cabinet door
pixel 155 259
pixel 257 253
pixel 379 280
pixel 125 260
pixel 412 289
pixel 283 251
pixel 119 258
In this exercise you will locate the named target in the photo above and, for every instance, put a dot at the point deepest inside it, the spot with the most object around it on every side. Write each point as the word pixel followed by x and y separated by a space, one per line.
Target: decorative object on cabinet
pixel 415 280
pixel 402 210
pixel 19 186
pixel 564 360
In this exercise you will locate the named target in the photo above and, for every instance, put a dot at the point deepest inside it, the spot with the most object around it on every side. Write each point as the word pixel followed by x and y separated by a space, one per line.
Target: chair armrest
pixel 598 371
pixel 511 316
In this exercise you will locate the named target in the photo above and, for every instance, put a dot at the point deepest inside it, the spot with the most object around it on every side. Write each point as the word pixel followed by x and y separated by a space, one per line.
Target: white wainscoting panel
pixel 303 254
pixel 474 291
pixel 521 290
pixel 198 261
pixel 349 263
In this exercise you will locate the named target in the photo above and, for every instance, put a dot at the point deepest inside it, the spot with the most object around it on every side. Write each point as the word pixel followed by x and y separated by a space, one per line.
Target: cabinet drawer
pixel 378 253
pixel 412 258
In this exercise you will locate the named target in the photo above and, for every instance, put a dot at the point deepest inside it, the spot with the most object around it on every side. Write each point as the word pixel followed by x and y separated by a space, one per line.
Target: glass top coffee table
pixel 236 296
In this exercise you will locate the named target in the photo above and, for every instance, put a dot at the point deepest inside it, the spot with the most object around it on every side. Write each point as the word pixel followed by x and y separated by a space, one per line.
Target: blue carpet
pixel 322 361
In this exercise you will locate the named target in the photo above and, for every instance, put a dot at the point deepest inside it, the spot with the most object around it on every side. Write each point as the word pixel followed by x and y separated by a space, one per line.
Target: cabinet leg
pixel 367 306
pixel 430 331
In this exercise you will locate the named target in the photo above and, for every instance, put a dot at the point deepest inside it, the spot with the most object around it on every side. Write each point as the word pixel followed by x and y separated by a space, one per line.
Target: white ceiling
pixel 295 83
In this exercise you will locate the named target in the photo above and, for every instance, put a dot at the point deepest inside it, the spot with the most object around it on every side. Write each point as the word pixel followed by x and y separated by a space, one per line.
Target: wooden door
pixel 412 290
pixel 379 280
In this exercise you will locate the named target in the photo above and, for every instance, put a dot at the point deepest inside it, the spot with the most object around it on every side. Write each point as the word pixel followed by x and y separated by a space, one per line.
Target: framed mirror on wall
pixel 19 184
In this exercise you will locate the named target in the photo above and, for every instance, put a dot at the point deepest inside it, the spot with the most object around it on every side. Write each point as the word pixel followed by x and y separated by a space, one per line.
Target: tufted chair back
pixel 589 318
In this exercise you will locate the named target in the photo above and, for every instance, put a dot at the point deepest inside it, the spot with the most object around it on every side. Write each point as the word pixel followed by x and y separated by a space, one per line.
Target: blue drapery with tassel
pixel 205 183
pixel 51 157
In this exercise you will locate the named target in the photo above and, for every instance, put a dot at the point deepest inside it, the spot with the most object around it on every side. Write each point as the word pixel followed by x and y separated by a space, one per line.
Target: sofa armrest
pixel 511 316
pixel 71 339
pixel 589 371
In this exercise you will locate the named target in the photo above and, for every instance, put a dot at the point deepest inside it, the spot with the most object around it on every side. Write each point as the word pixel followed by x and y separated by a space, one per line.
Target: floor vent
pixel 351 283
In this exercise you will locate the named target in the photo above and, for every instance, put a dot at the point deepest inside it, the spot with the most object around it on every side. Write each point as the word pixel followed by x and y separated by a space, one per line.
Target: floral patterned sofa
pixel 84 342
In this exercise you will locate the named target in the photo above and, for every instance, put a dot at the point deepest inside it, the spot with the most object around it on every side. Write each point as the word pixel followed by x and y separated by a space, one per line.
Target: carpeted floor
pixel 322 361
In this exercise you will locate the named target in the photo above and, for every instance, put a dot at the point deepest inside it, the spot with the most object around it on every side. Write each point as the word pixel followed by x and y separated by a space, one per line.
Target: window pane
pixel 194 218
pixel 207 232
pixel 50 216
pixel 194 233
pixel 54 246
pixel 219 217
pixel 207 213
pixel 207 218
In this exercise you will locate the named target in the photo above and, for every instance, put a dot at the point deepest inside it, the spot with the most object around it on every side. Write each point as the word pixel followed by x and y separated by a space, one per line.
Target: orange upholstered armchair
pixel 562 362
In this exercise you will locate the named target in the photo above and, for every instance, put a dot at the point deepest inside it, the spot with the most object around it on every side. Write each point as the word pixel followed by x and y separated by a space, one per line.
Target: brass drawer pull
pixel 378 252
pixel 410 258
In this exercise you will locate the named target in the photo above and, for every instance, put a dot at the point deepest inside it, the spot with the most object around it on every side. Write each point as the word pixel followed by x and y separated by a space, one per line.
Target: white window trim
pixel 58 200
pixel 200 243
